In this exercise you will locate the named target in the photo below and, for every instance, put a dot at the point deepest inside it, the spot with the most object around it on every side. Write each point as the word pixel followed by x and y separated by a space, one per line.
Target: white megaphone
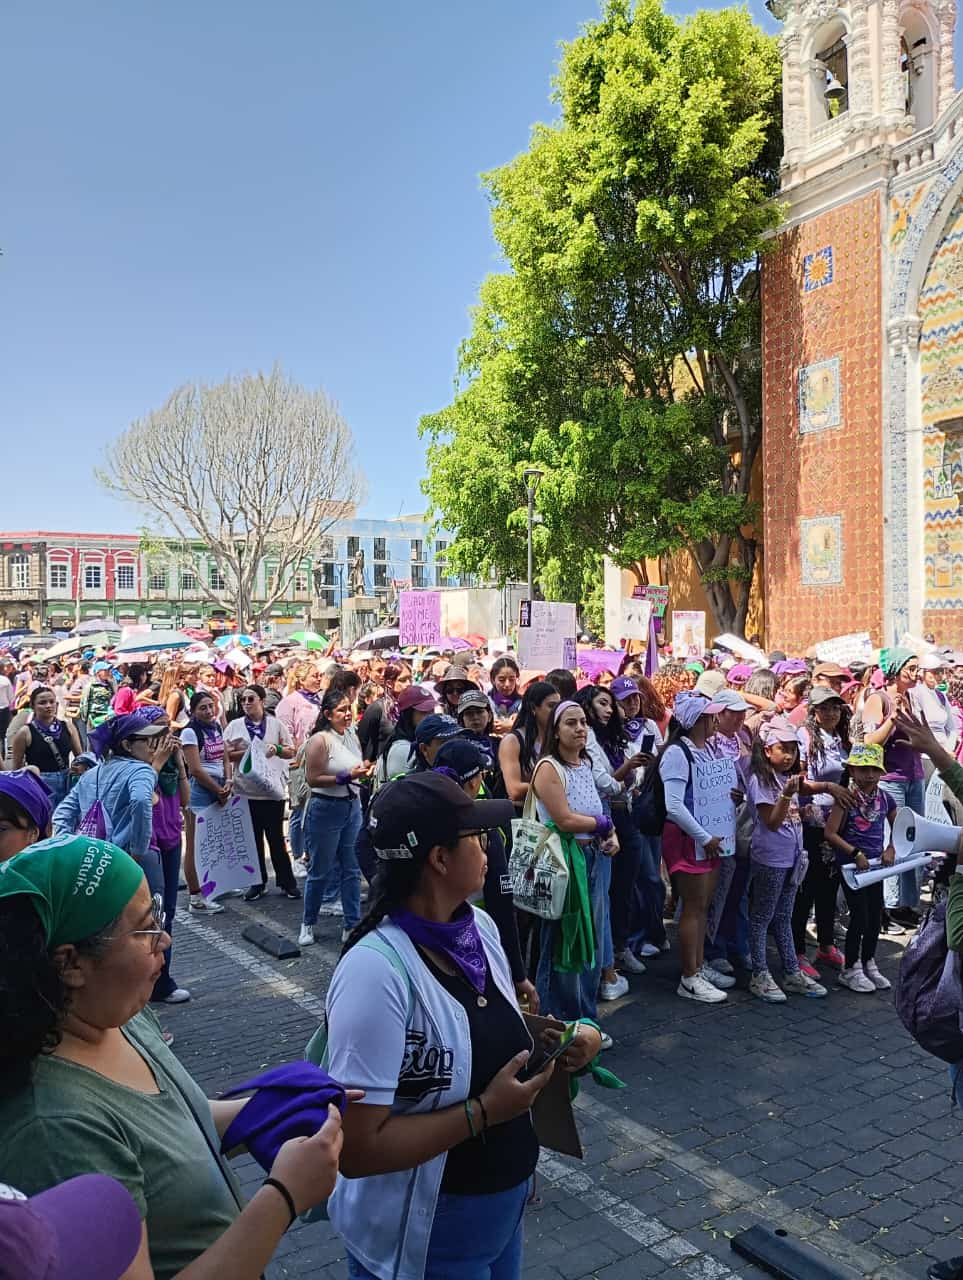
pixel 913 835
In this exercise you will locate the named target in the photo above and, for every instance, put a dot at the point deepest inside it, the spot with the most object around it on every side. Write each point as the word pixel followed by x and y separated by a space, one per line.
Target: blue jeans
pixel 605 885
pixel 956 1082
pixel 732 935
pixel 169 861
pixel 332 886
pixel 904 890
pixel 59 784
pixel 574 995
pixel 472 1238
pixel 331 829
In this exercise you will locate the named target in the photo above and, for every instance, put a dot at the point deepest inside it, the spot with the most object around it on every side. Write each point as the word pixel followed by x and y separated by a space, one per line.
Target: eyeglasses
pixel 480 836
pixel 155 935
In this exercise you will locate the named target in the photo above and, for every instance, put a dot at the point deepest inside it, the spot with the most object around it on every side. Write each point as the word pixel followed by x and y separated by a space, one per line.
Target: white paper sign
pixel 224 848
pixel 713 806
pixel 934 809
pixel 856 647
pixel 549 639
pixel 635 619
pixel 688 633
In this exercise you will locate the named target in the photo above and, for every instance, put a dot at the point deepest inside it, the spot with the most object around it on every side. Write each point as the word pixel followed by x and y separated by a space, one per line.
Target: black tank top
pixel 42 755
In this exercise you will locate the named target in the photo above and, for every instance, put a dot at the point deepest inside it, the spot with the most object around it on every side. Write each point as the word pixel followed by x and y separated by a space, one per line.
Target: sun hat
pixel 831 670
pixel 728 700
pixel 411 815
pixel 416 696
pixel 866 755
pixel 933 662
pixel 87 1228
pixel 689 708
pixel 740 673
pixel 710 682
pixel 623 687
pixel 779 729
pixel 791 667
pixel 823 694
pixel 473 698
pixel 455 675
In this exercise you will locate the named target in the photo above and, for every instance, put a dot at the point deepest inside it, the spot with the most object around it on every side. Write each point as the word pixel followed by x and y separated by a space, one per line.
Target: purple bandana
pixel 506 700
pixel 635 728
pixel 457 939
pixel 50 731
pixel 313 698
pixel 255 729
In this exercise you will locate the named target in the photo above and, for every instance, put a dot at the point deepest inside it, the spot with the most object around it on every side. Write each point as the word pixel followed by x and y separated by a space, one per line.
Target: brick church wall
pixel 822 428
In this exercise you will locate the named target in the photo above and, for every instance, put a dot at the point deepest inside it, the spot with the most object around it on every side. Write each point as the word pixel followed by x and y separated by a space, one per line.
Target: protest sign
pixel 688 633
pixel 549 639
pixel 635 619
pixel 593 661
pixel 934 809
pixel 657 596
pixel 857 647
pixel 748 652
pixel 419 617
pixel 713 806
pixel 224 850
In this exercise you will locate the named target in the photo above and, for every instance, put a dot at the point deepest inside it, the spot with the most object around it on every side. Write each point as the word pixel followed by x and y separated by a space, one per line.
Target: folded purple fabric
pixel 291 1102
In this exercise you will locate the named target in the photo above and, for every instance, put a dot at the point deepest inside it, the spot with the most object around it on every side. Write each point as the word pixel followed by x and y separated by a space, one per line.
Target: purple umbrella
pixel 454 643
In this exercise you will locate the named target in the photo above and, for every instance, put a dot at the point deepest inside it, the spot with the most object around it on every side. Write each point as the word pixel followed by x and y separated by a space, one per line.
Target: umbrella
pixel 91 626
pixel 227 641
pixel 382 638
pixel 454 643
pixel 309 639
pixel 153 642
pixel 96 640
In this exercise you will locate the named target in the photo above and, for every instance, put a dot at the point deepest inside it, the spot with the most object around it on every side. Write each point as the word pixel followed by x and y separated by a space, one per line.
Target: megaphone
pixel 913 835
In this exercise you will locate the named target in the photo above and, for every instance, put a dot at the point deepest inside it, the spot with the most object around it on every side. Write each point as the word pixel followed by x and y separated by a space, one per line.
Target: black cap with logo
pixel 410 816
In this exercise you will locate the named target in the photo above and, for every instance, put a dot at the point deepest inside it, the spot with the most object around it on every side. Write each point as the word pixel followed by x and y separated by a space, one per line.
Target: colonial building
pixel 53 581
pixel 863 327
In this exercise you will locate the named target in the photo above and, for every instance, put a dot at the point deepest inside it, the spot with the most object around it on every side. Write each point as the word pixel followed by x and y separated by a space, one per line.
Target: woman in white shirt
pixel 934 706
pixel 267 810
pixel 333 767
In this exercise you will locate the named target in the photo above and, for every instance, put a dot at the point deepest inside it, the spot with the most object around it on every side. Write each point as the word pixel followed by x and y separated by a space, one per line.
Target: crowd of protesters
pixel 403 775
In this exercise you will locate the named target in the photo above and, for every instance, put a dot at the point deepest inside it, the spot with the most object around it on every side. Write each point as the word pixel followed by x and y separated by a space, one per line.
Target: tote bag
pixel 537 866
pixel 259 776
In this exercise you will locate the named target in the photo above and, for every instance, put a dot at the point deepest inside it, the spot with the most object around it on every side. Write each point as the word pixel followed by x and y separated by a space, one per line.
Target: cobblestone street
pixel 818 1116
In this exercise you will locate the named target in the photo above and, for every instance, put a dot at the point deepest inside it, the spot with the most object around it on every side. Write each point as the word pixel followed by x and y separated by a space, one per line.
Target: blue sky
pixel 197 189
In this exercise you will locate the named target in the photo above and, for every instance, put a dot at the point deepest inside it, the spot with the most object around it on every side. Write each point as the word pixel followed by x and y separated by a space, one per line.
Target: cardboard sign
pixel 713 806
pixel 657 596
pixel 224 848
pixel 688 633
pixel 549 639
pixel 857 647
pixel 419 618
pixel 635 619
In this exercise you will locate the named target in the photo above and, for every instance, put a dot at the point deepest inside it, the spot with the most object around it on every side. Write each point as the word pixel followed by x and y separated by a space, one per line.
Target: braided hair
pixel 395 880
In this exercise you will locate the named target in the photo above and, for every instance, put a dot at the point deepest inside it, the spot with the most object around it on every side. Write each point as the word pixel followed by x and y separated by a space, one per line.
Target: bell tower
pixel 867 87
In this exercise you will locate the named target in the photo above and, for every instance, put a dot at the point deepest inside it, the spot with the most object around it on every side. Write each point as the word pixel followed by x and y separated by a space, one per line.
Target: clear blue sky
pixel 196 189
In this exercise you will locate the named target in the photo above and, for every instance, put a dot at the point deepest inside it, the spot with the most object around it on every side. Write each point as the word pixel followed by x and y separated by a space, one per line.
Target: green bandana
pixel 78 884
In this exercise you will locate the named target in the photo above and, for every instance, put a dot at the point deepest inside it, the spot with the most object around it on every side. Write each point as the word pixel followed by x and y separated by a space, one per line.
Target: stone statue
pixel 356 580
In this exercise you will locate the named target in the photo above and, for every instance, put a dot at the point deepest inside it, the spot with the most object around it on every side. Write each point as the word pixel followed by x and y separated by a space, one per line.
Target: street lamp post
pixel 532 477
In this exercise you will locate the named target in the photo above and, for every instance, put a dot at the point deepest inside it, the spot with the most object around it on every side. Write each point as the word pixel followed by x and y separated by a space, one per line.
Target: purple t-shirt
pixel 779 848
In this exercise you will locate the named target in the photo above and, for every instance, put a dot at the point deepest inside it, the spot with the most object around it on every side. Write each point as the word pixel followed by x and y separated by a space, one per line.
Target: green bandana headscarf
pixel 894 660
pixel 78 884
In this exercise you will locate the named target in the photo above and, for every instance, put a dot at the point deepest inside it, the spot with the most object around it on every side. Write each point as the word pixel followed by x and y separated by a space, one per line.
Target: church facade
pixel 863 328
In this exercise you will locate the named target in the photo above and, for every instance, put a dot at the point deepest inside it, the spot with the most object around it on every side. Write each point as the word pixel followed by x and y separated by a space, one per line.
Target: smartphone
pixel 648 742
pixel 537 1063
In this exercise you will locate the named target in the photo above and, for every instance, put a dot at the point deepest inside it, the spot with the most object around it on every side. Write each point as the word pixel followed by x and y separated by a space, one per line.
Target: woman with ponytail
pixel 438 1157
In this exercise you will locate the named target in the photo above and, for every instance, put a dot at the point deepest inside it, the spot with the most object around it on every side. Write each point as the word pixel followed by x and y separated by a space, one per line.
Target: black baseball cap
pixel 410 816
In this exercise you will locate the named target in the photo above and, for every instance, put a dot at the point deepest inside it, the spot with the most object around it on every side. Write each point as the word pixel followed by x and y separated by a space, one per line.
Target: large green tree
pixel 620 349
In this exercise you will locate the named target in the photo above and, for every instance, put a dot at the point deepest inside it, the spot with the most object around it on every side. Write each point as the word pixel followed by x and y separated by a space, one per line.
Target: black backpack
pixel 929 1000
pixel 648 804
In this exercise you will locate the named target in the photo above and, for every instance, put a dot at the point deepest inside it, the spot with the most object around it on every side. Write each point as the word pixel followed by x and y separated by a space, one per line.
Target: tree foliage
pixel 620 351
pixel 256 466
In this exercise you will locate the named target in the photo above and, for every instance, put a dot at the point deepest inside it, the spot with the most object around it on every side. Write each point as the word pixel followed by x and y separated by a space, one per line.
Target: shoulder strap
pixel 528 810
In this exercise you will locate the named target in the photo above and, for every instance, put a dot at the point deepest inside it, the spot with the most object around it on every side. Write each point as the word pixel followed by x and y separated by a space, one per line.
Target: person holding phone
pixel 778 861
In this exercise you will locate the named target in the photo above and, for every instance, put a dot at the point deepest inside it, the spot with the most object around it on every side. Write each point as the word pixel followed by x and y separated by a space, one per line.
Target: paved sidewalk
pixel 819 1116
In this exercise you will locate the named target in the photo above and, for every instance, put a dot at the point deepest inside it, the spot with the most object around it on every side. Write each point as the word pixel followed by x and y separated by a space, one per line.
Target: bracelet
pixel 484 1117
pixel 471 1121
pixel 288 1198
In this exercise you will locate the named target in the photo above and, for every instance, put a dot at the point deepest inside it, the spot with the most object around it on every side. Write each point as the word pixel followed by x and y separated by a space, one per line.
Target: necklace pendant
pixel 482 1002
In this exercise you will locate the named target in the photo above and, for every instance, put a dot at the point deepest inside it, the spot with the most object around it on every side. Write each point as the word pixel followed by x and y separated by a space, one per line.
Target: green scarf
pixel 78 884
pixel 575 939
pixel 169 778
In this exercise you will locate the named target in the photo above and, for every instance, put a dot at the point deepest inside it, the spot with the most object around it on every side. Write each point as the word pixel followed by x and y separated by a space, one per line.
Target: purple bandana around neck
pixel 49 731
pixel 313 698
pixel 256 729
pixel 458 939
pixel 635 728
pixel 507 700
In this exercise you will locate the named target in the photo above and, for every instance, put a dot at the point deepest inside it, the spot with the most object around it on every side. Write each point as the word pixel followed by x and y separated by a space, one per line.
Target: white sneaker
pixel 855 980
pixel 331 908
pixel 606 1040
pixel 722 965
pixel 205 906
pixel 346 934
pixel 178 996
pixel 764 987
pixel 800 984
pixel 649 949
pixel 614 990
pixel 299 869
pixel 721 980
pixel 879 980
pixel 306 936
pixel 696 988
pixel 629 962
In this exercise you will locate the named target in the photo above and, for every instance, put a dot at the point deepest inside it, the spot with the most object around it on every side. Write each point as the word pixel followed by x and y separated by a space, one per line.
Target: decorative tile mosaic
pixel 941 380
pixel 820 396
pixel 821 551
pixel 902 214
pixel 818 269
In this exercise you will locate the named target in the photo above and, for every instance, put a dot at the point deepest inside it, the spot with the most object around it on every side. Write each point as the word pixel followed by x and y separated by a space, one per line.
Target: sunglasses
pixel 155 935
pixel 150 738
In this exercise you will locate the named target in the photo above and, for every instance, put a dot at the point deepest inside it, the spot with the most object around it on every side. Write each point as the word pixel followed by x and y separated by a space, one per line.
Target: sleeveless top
pixel 344 752
pixel 864 826
pixel 581 793
pixel 42 755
